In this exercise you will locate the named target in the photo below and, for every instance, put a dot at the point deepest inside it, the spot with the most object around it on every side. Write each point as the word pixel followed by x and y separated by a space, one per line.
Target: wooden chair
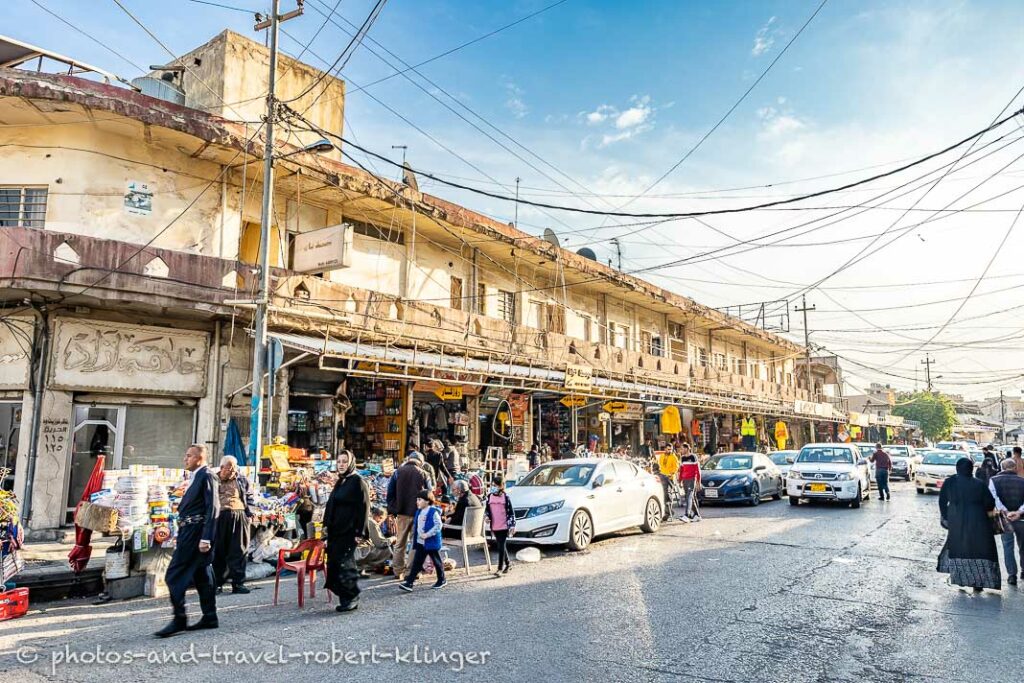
pixel 472 534
pixel 309 565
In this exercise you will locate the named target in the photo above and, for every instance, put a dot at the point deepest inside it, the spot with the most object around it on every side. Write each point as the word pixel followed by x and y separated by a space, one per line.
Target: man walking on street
pixel 883 464
pixel 668 467
pixel 410 479
pixel 237 506
pixel 193 554
pixel 689 475
pixel 1007 488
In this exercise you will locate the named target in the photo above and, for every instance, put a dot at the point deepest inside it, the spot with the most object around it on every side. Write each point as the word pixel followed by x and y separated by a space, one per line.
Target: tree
pixel 934 411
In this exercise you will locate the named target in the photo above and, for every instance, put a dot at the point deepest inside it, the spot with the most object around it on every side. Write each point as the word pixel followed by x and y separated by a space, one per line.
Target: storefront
pixel 16 337
pixel 127 392
pixel 441 412
pixel 553 422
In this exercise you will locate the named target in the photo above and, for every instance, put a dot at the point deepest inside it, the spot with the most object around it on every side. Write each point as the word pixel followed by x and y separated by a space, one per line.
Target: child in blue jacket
pixel 426 534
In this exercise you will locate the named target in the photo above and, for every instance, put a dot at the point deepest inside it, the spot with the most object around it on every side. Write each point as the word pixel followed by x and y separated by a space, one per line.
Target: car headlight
pixel 793 474
pixel 738 480
pixel 846 476
pixel 545 509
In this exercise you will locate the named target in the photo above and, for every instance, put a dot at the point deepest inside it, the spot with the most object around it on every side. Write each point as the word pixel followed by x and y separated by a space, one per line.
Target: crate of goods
pixel 96 517
pixel 13 603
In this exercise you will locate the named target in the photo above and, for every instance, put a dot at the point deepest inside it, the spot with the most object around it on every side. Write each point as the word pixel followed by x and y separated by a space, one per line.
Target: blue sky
pixel 613 93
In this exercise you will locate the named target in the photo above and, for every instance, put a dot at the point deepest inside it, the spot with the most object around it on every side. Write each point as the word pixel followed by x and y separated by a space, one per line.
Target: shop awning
pixel 401 363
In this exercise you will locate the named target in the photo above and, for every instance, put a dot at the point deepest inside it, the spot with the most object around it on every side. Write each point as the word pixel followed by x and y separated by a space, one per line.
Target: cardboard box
pixel 96 517
pixel 155 586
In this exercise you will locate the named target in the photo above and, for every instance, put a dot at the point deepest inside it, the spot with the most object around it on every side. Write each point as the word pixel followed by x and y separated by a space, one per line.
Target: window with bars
pixel 507 306
pixel 22 207
pixel 721 362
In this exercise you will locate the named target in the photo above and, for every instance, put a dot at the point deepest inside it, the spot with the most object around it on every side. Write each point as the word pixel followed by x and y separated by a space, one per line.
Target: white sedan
pixel 569 502
pixel 935 468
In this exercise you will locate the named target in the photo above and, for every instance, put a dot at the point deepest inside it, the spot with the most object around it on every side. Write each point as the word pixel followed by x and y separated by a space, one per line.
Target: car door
pixel 604 500
pixel 634 493
pixel 769 475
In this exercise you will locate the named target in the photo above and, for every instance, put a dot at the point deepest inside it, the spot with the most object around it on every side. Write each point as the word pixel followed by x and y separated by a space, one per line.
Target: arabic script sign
pixel 16 335
pixel 151 360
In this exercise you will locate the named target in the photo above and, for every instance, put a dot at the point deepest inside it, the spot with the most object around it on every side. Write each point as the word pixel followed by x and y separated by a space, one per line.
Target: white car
pixel 829 471
pixel 569 502
pixel 903 461
pixel 935 468
pixel 783 460
pixel 962 446
pixel 866 451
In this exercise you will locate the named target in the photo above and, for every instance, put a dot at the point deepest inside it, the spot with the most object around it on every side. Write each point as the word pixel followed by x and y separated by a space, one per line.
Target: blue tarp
pixel 233 444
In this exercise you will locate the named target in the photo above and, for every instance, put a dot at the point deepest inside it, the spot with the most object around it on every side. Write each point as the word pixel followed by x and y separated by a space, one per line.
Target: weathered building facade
pixel 129 228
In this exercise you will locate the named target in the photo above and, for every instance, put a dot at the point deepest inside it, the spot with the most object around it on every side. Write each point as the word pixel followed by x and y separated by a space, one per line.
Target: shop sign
pixel 116 357
pixel 323 250
pixel 623 410
pixel 573 401
pixel 604 417
pixel 449 393
pixel 15 349
pixel 579 377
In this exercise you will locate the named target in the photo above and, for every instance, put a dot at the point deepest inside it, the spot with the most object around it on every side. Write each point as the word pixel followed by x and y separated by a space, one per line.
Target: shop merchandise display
pixel 11 536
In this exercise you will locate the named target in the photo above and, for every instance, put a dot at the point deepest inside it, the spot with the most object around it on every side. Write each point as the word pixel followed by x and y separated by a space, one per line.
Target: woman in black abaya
pixel 969 555
pixel 345 517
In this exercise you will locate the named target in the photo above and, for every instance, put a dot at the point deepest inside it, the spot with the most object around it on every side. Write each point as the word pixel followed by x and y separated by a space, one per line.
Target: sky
pixel 590 102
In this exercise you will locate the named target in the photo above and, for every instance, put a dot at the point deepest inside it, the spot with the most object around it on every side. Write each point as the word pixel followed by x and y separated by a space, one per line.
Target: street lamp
pixel 321 146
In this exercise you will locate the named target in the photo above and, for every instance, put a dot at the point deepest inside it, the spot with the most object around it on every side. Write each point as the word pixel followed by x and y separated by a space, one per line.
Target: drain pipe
pixel 43 347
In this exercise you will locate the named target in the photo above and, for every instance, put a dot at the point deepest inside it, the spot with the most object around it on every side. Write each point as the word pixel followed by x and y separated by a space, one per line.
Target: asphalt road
pixel 773 593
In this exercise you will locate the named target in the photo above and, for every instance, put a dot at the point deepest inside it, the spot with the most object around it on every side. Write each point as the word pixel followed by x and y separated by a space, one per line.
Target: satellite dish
pixel 551 238
pixel 587 252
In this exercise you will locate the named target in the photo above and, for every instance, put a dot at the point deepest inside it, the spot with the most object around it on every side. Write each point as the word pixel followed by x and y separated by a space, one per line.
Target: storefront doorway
pixel 10 432
pixel 127 435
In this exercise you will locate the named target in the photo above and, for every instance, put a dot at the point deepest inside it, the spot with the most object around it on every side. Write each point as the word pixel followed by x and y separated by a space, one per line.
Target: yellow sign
pixel 579 377
pixel 449 393
pixel 573 401
pixel 277 454
pixel 625 410
pixel 616 407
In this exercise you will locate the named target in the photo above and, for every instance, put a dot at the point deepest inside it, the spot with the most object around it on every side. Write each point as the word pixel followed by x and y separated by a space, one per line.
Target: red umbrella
pixel 78 558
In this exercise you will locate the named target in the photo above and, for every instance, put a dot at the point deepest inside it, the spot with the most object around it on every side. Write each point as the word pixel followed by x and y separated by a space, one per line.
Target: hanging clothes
pixel 781 434
pixel 439 418
pixel 671 423
pixel 695 429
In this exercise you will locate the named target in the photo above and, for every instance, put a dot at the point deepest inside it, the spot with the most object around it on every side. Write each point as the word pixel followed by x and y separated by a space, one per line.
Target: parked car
pixel 953 446
pixel 569 502
pixel 902 457
pixel 783 460
pixel 746 477
pixel 829 471
pixel 935 468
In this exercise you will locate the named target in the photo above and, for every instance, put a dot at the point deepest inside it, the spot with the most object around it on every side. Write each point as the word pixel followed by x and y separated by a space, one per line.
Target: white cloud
pixel 765 38
pixel 636 115
pixel 514 101
pixel 599 115
pixel 778 123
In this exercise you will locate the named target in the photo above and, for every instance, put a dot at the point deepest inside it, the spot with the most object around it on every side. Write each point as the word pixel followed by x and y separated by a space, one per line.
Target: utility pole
pixel 259 349
pixel 618 251
pixel 927 363
pixel 516 221
pixel 1002 418
pixel 804 308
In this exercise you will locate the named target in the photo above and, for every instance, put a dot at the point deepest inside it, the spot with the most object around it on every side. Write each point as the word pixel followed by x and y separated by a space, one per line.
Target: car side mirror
pixel 862 461
pixel 760 468
pixel 790 460
pixel 598 481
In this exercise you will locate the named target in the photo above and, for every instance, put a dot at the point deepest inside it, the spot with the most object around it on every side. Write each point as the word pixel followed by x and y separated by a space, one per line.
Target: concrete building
pixel 130 229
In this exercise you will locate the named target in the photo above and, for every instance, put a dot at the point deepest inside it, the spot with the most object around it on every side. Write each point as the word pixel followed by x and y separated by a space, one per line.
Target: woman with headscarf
pixel 345 522
pixel 969 555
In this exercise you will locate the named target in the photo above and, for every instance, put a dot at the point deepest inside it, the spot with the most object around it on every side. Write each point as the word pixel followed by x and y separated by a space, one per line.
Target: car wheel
pixel 581 530
pixel 778 491
pixel 794 500
pixel 755 494
pixel 920 492
pixel 652 517
pixel 855 503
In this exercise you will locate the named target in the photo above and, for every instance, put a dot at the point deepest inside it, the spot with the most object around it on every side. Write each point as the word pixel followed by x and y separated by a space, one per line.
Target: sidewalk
pixel 48 576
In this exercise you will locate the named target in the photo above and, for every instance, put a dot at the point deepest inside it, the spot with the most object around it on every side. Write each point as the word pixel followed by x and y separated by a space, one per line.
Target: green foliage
pixel 934 411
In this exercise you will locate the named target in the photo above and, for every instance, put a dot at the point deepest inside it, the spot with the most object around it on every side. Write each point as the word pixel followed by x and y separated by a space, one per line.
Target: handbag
pixel 1000 524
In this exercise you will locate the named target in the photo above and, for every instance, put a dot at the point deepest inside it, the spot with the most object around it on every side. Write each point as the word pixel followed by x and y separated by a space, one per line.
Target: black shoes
pixel 507 569
pixel 203 624
pixel 440 584
pixel 241 590
pixel 406 587
pixel 347 606
pixel 177 625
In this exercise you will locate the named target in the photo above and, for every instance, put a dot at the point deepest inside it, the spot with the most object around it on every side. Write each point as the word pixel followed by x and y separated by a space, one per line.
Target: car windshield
pixel 941 458
pixel 866 451
pixel 825 454
pixel 948 447
pixel 564 474
pixel 901 451
pixel 730 462
pixel 780 458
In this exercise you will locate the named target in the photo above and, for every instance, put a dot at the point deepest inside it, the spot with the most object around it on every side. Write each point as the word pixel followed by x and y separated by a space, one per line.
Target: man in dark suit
pixel 193 554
